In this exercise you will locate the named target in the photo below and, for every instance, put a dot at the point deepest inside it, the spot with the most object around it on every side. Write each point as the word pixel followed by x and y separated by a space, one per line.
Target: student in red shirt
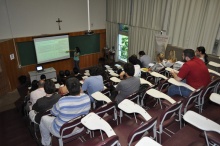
pixel 194 72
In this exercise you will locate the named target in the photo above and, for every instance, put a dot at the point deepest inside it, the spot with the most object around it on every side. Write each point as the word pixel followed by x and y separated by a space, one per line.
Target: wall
pixel 13 71
pixel 31 18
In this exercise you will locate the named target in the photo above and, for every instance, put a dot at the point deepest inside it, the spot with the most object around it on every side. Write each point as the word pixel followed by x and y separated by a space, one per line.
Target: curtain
pixel 118 11
pixel 112 30
pixel 148 13
pixel 141 39
pixel 192 23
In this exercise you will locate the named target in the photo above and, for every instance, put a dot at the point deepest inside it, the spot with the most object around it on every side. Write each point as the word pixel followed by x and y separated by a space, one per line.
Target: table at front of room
pixel 50 73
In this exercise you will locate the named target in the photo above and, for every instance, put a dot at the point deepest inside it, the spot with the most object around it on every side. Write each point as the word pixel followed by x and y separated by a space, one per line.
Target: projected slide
pixel 51 48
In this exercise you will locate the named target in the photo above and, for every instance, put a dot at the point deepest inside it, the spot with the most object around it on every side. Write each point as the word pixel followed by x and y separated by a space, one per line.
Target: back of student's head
pixel 129 69
pixel 43 77
pixel 201 49
pixel 94 71
pixel 160 57
pixel 22 79
pixel 189 53
pixel 34 85
pixel 61 73
pixel 67 73
pixel 41 83
pixel 75 70
pixel 141 53
pixel 49 87
pixel 73 86
pixel 132 60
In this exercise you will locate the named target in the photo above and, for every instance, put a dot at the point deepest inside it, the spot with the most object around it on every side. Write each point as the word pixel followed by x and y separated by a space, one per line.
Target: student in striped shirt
pixel 67 108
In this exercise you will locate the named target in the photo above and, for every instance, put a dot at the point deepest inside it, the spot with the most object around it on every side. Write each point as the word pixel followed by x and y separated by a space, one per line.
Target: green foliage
pixel 124 47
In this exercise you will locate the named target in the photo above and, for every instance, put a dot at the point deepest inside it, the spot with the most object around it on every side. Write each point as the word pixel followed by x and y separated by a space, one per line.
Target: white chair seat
pixel 114 79
pixel 130 107
pixel 113 74
pixel 215 98
pixel 158 75
pixel 171 69
pixel 201 122
pixel 214 72
pixel 177 83
pixel 214 64
pixel 100 97
pixel 143 81
pixel 94 122
pixel 147 141
pixel 157 94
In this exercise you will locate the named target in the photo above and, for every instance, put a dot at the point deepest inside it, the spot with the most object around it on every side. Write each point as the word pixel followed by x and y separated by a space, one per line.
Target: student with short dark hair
pixel 145 59
pixel 94 82
pixel 193 71
pixel 127 86
pixel 43 77
pixel 67 108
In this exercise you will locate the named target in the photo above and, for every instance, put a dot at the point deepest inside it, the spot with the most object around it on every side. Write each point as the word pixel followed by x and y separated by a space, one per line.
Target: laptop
pixel 39 68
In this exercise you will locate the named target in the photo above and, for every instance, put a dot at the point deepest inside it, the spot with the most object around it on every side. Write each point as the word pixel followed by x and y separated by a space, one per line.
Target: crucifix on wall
pixel 59 21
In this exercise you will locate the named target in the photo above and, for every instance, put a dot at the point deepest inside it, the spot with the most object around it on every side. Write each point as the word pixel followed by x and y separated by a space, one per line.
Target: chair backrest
pixel 208 89
pixel 189 102
pixel 163 85
pixel 106 92
pixel 134 97
pixel 142 130
pixel 110 141
pixel 107 109
pixel 169 113
pixel 68 131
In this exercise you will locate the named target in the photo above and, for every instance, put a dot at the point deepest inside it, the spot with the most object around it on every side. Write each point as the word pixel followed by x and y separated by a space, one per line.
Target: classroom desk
pixel 147 141
pixel 100 97
pixel 94 122
pixel 215 98
pixel 129 106
pixel 201 122
pixel 114 79
pixel 50 73
pixel 158 75
pixel 143 81
pixel 171 69
pixel 177 83
pixel 157 94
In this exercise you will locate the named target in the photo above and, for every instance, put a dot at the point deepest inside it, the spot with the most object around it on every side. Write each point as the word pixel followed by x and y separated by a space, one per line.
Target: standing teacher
pixel 76 58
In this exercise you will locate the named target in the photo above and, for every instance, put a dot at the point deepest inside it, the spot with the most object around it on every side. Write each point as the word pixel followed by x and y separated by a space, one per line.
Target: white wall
pixel 30 18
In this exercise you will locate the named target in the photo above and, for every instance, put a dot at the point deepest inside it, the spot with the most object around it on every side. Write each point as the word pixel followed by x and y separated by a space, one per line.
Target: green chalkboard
pixel 26 53
pixel 87 43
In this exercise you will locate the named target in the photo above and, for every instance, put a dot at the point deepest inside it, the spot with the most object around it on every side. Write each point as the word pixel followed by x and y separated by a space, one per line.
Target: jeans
pixel 179 90
pixel 76 64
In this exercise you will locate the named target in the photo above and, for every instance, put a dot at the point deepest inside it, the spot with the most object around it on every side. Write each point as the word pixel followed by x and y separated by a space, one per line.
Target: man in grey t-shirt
pixel 129 85
pixel 145 59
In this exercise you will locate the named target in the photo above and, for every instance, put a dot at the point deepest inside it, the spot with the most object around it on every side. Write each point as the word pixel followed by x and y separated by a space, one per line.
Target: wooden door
pixel 4 82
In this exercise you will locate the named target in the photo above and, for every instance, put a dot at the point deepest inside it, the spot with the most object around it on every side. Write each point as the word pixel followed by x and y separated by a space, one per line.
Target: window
pixel 123 43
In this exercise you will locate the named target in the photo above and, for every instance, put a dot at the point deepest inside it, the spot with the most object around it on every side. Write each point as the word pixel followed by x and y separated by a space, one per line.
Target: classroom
pixel 113 31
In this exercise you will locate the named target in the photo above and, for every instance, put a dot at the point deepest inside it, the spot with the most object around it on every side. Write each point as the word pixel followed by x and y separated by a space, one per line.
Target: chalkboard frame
pixel 88 44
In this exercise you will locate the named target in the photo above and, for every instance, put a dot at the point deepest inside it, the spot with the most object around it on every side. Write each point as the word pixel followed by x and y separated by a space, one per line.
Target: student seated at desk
pixel 127 86
pixel 171 60
pixel 77 74
pixel 45 103
pixel 193 71
pixel 94 82
pixel 159 65
pixel 38 93
pixel 67 108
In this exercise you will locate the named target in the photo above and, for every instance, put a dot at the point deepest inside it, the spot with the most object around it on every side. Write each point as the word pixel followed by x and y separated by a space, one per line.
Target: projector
pixel 89 32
